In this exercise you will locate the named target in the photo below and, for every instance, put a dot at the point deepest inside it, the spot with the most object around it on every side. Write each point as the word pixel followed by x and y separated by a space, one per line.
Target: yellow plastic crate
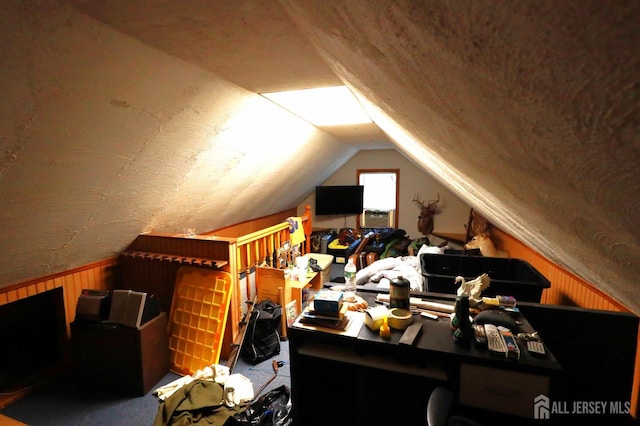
pixel 198 318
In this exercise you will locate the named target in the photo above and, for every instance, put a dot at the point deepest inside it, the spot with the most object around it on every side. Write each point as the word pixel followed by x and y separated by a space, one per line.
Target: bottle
pixel 399 293
pixel 350 276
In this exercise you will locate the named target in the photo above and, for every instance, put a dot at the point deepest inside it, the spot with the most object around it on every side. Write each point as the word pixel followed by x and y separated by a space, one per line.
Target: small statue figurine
pixel 474 288
pixel 469 294
pixel 463 333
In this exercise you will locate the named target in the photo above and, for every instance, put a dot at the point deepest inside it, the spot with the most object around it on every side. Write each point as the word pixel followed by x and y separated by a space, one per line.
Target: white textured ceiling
pixel 529 111
pixel 253 44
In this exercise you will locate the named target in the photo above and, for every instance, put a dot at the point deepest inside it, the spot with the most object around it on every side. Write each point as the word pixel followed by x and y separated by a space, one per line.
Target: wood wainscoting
pixel 151 261
pixel 569 290
pixel 100 275
pixel 566 288
pixel 105 274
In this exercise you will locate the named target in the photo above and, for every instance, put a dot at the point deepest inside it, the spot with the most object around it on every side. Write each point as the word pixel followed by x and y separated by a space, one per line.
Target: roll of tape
pixel 399 318
pixel 374 317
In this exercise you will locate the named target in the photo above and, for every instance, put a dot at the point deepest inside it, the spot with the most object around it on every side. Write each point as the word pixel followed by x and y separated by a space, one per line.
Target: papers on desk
pixel 355 322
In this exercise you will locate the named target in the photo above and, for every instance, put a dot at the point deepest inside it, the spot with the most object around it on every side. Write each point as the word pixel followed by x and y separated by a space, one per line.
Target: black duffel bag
pixel 262 340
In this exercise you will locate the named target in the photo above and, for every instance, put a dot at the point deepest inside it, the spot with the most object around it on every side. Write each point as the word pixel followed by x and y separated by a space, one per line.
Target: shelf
pixel 185 260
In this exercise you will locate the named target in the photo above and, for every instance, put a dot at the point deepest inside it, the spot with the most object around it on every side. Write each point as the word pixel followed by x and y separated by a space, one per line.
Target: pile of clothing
pixel 210 396
pixel 213 396
pixel 382 271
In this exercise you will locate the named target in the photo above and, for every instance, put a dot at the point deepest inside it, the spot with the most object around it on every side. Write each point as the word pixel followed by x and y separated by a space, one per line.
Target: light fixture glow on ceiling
pixel 324 106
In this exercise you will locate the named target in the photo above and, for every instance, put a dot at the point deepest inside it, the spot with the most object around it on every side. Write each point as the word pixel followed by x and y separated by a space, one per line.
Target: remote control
pixel 535 347
pixel 513 351
pixel 480 335
pixel 495 342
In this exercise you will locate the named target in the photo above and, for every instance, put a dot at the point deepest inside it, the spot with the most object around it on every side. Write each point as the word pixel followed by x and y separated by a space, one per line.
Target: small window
pixel 380 204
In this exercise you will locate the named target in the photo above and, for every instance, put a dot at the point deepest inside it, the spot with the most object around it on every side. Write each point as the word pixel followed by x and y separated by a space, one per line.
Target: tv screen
pixel 339 200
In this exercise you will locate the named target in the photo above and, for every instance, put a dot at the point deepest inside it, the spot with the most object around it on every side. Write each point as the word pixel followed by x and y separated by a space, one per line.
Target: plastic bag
pixel 271 409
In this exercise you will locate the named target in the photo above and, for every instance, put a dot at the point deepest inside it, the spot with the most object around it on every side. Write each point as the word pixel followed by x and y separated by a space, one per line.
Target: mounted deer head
pixel 486 246
pixel 478 225
pixel 425 220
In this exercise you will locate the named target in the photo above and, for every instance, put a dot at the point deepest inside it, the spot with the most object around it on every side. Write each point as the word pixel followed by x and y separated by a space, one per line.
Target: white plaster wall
pixel 103 137
pixel 452 212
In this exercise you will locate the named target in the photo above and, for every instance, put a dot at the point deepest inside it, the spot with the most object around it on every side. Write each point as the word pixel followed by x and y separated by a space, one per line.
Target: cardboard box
pixel 327 301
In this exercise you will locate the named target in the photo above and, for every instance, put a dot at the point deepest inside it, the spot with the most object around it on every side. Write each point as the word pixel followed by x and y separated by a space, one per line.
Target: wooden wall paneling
pixel 151 264
pixel 158 256
pixel 7 297
pixel 566 288
pixel 93 276
pixel 159 272
pixel 148 276
pixel 23 293
pixel 251 226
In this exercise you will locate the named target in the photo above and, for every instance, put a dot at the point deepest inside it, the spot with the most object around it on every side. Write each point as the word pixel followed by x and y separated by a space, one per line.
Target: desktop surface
pixel 372 364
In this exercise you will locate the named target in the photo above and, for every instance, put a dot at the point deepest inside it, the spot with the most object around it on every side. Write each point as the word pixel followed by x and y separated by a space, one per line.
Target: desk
pixel 390 383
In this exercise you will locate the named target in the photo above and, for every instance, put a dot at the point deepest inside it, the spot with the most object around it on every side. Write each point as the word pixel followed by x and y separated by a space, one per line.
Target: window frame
pixel 397 204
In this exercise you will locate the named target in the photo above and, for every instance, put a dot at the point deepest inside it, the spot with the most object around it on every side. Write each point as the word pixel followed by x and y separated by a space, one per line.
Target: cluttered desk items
pixel 424 351
pixel 333 311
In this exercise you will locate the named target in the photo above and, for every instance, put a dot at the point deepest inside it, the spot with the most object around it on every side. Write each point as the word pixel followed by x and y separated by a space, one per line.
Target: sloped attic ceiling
pixel 527 110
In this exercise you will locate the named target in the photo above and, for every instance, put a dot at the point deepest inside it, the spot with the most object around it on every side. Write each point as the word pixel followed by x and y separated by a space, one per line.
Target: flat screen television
pixel 339 200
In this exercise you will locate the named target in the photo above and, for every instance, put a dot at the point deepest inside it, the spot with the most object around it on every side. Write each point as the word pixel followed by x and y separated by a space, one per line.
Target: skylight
pixel 324 106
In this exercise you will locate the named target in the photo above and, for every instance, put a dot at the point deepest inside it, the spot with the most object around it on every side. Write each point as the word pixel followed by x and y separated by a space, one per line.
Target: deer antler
pixel 434 202
pixel 430 205
pixel 425 220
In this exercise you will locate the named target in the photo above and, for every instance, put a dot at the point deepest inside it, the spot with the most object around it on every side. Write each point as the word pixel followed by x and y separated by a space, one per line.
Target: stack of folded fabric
pixel 209 396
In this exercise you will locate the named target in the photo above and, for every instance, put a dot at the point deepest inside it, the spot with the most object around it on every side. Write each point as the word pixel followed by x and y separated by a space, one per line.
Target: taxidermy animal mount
pixel 486 246
pixel 478 225
pixel 425 220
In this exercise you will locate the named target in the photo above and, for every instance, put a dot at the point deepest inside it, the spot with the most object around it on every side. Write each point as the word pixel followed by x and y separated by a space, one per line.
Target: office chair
pixel 439 410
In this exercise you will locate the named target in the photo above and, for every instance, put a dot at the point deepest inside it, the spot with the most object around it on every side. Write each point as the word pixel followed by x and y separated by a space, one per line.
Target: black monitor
pixel 339 200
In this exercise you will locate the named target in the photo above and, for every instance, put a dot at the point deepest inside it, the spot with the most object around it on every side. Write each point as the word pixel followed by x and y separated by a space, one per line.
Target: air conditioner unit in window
pixel 378 218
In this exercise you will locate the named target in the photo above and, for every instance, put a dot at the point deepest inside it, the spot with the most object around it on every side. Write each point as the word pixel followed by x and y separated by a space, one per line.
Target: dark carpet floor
pixel 65 402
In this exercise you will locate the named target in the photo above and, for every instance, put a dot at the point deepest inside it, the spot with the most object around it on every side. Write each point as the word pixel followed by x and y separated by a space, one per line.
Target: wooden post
pixel 283 317
pixel 308 228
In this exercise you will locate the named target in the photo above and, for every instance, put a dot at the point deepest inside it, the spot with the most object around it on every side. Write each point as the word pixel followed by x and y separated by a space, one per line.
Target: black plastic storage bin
pixel 509 277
